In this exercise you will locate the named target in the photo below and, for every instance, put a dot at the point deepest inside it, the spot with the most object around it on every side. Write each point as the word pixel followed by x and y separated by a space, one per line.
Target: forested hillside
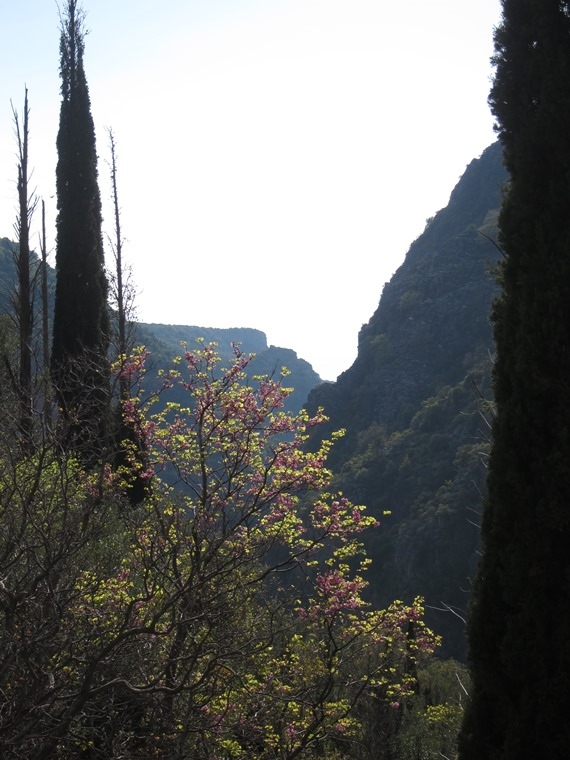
pixel 176 579
pixel 415 403
pixel 415 417
pixel 185 542
pixel 415 406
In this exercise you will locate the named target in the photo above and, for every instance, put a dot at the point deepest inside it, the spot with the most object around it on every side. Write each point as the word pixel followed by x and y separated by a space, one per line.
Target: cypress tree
pixel 519 630
pixel 81 322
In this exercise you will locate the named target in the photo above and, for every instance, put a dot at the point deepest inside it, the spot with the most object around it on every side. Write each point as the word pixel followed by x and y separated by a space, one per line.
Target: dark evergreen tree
pixel 520 618
pixel 80 329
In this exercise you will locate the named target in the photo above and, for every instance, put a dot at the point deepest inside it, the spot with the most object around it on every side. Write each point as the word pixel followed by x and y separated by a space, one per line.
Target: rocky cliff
pixel 415 406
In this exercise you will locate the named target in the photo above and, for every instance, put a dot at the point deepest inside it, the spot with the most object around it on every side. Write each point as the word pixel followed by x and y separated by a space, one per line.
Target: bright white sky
pixel 276 157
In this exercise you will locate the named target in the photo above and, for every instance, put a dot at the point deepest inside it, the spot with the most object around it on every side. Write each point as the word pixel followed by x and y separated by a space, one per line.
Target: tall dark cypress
pixel 519 631
pixel 80 329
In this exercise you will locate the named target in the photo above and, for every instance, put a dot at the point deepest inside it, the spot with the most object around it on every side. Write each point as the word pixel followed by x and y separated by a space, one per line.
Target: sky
pixel 276 158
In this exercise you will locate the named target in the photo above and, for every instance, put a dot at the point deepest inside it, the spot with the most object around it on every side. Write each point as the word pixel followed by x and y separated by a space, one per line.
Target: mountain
pixel 164 341
pixel 415 406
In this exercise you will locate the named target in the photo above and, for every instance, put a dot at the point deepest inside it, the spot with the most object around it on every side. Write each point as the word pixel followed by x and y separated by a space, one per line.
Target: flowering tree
pixel 223 617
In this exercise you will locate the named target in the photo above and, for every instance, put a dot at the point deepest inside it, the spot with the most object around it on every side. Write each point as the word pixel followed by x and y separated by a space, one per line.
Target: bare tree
pixel 127 440
pixel 45 319
pixel 23 300
pixel 121 290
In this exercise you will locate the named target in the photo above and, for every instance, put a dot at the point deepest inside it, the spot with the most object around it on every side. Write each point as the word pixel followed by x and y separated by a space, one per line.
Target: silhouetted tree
pixel 520 621
pixel 47 407
pixel 129 448
pixel 23 295
pixel 81 323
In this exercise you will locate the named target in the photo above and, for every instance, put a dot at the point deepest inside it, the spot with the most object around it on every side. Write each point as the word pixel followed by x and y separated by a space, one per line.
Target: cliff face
pixel 413 405
pixel 431 314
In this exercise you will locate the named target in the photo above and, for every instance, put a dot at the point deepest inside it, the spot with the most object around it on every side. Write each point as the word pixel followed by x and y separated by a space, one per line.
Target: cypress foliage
pixel 81 328
pixel 519 631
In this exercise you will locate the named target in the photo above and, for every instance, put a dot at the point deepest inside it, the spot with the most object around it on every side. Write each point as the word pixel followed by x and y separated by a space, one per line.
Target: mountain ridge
pixel 415 402
pixel 164 340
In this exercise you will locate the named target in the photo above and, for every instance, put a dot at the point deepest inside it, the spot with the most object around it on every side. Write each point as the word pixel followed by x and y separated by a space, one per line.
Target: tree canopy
pixel 221 618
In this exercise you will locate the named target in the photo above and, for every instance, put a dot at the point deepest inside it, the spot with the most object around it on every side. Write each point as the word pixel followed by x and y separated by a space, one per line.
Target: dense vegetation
pixel 219 618
pixel 230 610
pixel 219 615
pixel 520 624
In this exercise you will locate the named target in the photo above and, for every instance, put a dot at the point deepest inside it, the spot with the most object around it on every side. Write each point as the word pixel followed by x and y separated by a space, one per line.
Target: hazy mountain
pixel 414 410
pixel 164 341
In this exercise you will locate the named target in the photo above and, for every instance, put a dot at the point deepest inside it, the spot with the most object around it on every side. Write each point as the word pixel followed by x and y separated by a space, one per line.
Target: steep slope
pixel 412 405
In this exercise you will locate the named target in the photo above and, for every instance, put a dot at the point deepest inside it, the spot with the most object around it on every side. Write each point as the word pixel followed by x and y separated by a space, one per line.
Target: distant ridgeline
pixel 416 403
pixel 164 341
